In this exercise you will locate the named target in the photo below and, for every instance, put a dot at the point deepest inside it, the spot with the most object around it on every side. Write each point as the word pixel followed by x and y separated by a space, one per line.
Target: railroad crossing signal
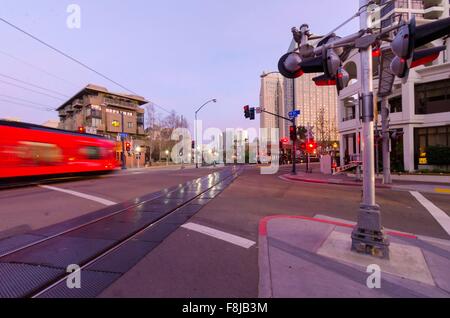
pixel 409 37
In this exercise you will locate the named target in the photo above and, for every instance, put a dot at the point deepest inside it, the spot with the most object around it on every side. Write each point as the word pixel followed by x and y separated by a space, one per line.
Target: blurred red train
pixel 28 150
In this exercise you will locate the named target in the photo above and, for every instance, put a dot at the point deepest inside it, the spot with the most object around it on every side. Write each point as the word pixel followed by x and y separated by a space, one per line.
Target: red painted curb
pixel 264 221
pixel 354 184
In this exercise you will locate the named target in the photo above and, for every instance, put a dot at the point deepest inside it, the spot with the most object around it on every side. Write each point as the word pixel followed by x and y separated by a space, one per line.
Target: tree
pixel 159 132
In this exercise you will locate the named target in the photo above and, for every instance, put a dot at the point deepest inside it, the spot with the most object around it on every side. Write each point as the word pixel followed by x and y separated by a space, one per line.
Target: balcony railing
pixel 110 101
pixel 77 103
pixel 350 117
pixel 94 114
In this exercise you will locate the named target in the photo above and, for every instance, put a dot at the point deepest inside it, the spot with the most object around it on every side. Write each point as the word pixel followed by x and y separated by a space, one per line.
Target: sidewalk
pixel 303 257
pixel 344 180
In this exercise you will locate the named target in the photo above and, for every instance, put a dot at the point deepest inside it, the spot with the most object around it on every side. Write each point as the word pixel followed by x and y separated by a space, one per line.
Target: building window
pixel 96 122
pixel 395 104
pixel 417 4
pixel 427 137
pixel 432 98
pixel 130 125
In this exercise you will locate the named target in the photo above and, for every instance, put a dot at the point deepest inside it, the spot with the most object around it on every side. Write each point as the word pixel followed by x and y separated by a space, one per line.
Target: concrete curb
pixel 265 271
pixel 320 181
pixel 265 280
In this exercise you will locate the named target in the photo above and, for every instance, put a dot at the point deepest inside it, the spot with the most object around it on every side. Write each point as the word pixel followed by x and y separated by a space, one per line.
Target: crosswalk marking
pixel 227 237
pixel 440 216
pixel 80 195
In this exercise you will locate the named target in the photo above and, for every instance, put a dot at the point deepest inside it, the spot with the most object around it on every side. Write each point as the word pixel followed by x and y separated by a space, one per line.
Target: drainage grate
pixel 60 252
pixel 92 284
pixel 19 280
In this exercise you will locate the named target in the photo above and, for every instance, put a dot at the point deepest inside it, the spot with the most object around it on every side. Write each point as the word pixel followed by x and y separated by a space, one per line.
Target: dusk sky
pixel 177 54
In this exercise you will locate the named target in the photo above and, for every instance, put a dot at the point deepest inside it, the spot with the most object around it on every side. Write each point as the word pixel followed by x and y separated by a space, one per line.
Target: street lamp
pixel 195 130
pixel 167 157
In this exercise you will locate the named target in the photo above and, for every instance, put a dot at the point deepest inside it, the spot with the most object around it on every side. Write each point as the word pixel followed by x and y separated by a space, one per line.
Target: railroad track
pixel 39 269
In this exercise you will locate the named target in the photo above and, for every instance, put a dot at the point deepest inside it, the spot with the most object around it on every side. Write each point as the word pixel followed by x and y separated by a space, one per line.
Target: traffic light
pixel 311 146
pixel 252 113
pixel 342 79
pixel 81 130
pixel 128 146
pixel 247 111
pixel 410 37
pixel 284 140
pixel 293 133
pixel 329 63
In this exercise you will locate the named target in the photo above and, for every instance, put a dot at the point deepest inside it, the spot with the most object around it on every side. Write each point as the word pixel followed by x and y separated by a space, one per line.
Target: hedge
pixel 438 155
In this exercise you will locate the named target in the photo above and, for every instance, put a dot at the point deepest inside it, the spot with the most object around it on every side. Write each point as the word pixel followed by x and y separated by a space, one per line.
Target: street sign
pixel 294 113
pixel 123 135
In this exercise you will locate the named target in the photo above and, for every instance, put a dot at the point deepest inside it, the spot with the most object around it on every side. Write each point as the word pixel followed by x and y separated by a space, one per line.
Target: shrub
pixel 438 155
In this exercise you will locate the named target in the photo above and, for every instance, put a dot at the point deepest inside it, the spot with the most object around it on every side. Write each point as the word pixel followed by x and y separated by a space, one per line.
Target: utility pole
pixel 122 137
pixel 386 141
pixel 368 236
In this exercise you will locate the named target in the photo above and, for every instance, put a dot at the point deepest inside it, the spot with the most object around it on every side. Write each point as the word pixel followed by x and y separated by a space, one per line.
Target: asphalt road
pixel 193 264
pixel 190 264
pixel 34 207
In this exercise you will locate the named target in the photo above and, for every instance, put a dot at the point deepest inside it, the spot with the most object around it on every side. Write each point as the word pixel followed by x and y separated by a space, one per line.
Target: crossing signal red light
pixel 284 140
pixel 410 37
pixel 289 65
pixel 128 146
pixel 81 130
pixel 311 146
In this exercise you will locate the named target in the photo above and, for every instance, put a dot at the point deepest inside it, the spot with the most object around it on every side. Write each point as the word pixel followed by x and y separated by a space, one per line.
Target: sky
pixel 177 54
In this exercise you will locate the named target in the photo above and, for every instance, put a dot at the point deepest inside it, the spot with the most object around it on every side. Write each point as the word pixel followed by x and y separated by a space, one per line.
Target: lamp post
pixel 167 157
pixel 195 131
pixel 122 138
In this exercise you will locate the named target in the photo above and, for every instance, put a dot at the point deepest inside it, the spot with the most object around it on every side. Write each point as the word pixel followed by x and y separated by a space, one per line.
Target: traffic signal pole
pixel 386 140
pixel 292 121
pixel 368 236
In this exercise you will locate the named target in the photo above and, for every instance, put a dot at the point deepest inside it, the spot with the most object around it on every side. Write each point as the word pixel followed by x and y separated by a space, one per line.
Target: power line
pixel 27 101
pixel 28 106
pixel 33 85
pixel 29 89
pixel 74 59
pixel 37 68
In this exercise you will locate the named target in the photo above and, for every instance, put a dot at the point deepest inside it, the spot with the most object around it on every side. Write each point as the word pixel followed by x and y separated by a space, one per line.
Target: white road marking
pixel 81 195
pixel 230 238
pixel 440 216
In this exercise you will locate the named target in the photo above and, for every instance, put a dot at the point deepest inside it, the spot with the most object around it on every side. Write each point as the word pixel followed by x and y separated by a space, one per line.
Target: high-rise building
pixel 419 109
pixel 272 100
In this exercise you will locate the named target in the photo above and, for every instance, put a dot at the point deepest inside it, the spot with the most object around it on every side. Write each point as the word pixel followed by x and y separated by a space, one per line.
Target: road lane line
pixel 81 195
pixel 227 237
pixel 442 190
pixel 439 215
